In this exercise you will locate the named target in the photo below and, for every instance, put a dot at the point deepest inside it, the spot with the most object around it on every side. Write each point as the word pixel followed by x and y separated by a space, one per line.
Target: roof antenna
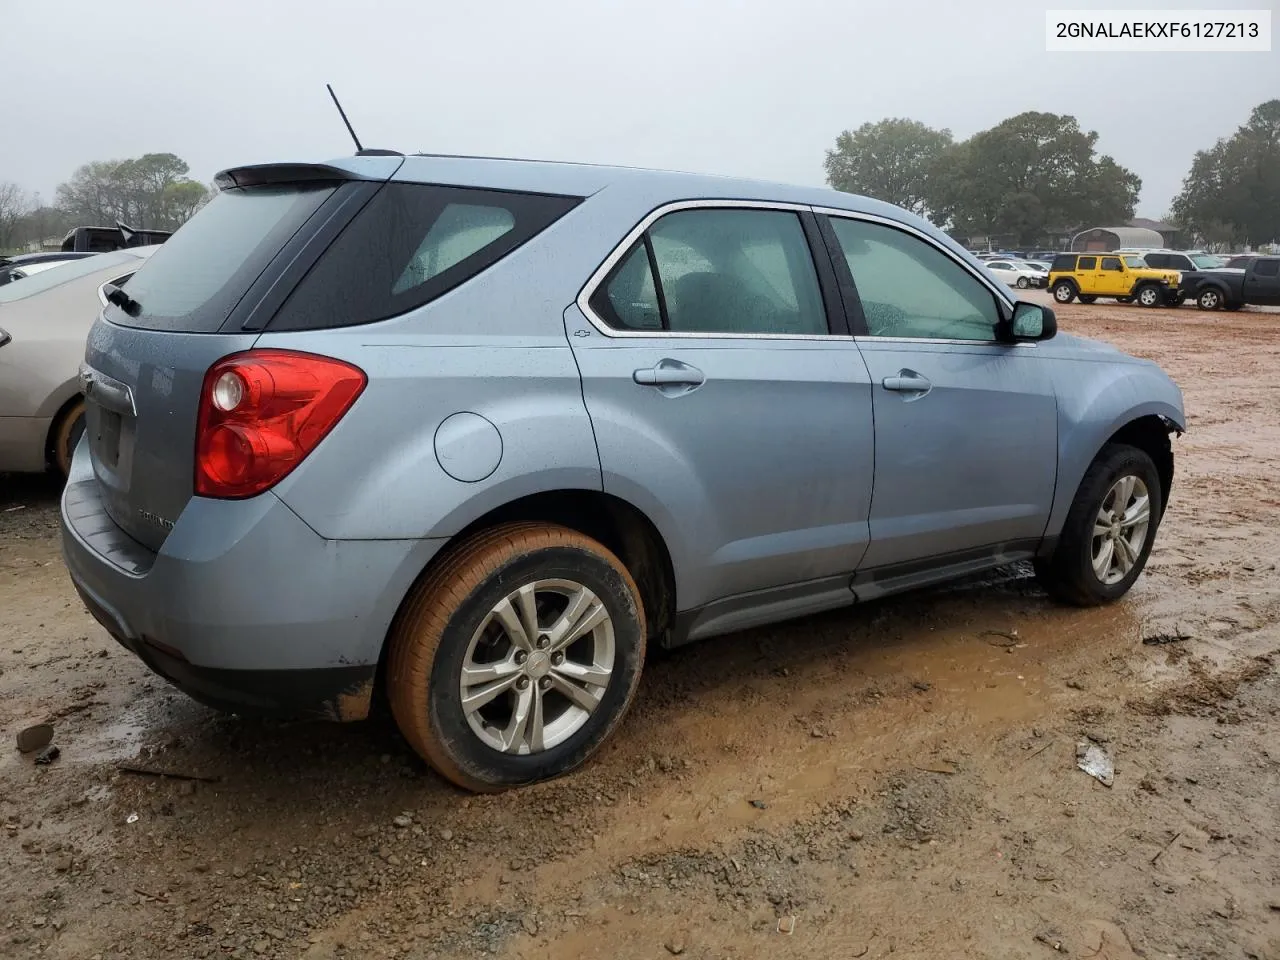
pixel 343 114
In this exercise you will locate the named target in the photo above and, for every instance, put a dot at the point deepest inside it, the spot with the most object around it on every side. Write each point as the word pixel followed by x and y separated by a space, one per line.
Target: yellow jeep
pixel 1124 276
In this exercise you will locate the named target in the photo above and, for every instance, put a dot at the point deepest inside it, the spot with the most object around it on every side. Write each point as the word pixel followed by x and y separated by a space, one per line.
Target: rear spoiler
pixel 376 168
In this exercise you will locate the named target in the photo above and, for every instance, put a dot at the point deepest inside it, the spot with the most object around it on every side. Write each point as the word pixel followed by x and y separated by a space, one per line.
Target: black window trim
pixel 831 299
pixel 849 289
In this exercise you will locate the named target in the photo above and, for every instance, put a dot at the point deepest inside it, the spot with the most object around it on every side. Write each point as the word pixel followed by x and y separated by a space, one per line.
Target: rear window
pixel 1064 262
pixel 63 272
pixel 196 278
pixel 410 244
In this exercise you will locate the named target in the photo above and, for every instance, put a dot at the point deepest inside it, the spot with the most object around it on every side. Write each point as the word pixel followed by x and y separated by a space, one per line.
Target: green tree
pixel 1028 174
pixel 1232 192
pixel 891 160
pixel 148 192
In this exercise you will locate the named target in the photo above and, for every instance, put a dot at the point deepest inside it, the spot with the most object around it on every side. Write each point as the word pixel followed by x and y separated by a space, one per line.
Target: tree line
pixel 1037 176
pixel 150 192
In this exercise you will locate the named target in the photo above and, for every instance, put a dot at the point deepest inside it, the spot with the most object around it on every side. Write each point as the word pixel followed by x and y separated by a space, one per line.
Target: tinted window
pixel 196 278
pixel 1266 268
pixel 410 244
pixel 1160 260
pixel 719 271
pixel 629 298
pixel 1111 263
pixel 1063 262
pixel 1088 263
pixel 910 288
pixel 461 230
pixel 62 273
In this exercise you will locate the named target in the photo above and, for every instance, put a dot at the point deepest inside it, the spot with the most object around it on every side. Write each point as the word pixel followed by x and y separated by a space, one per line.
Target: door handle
pixel 907 381
pixel 669 373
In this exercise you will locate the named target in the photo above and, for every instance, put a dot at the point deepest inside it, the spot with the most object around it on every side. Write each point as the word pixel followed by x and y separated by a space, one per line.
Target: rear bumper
pixel 244 607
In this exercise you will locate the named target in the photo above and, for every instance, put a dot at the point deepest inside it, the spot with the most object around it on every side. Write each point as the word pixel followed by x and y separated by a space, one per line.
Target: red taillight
pixel 262 412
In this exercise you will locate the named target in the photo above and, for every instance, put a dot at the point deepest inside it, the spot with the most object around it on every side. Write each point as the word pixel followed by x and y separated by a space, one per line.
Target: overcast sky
pixel 754 88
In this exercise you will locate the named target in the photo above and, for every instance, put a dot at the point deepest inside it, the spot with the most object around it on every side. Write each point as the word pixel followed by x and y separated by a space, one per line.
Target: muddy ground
pixel 897 779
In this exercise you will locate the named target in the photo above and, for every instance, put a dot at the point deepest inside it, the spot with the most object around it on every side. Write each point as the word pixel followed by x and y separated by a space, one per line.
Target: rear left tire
pixel 516 656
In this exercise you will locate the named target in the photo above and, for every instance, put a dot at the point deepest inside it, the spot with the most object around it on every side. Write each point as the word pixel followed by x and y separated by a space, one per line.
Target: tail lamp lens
pixel 262 412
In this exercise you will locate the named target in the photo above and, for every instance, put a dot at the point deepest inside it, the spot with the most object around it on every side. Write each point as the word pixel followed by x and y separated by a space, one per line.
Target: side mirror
pixel 1032 321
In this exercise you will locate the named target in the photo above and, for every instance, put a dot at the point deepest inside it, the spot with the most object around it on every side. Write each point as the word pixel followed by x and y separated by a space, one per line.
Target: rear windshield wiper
pixel 121 299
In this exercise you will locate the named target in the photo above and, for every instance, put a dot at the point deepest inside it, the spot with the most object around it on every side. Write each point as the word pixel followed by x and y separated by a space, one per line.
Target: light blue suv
pixel 472 433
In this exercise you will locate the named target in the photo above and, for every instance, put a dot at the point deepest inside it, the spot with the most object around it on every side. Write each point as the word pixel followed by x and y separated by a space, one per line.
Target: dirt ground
pixel 896 779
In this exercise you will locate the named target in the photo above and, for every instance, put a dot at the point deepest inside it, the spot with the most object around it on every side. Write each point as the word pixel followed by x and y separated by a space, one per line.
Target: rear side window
pixel 1063 262
pixel 1267 268
pixel 1160 260
pixel 409 245
pixel 1088 263
pixel 192 282
pixel 721 271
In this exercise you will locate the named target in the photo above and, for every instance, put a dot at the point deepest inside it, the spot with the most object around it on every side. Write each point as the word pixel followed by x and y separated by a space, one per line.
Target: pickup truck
pixel 1231 288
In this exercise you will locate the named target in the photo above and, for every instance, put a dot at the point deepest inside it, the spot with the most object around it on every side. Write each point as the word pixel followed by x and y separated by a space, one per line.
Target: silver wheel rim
pixel 1148 296
pixel 1063 293
pixel 1120 529
pixel 537 667
pixel 1210 300
pixel 1022 283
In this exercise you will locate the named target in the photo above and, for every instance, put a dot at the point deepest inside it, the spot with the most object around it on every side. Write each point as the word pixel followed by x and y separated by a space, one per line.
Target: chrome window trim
pixel 998 291
pixel 869 338
pixel 593 282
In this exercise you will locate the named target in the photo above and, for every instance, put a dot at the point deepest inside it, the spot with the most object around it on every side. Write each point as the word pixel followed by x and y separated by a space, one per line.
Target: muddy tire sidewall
pixel 66 436
pixel 424 689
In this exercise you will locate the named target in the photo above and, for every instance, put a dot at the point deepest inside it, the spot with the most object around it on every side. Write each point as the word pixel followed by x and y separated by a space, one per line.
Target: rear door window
pixel 410 244
pixel 1088 263
pixel 719 271
pixel 1266 268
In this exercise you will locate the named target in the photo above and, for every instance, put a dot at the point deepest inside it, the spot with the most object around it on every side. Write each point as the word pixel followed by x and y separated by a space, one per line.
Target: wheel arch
pixel 618 524
pixel 1091 419
pixel 1150 434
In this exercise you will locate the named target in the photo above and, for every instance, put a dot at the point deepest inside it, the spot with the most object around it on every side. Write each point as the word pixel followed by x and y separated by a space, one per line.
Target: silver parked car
pixel 44 320
pixel 475 432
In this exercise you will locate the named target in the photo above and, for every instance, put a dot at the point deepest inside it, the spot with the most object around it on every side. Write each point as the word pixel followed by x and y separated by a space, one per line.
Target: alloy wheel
pixel 1120 529
pixel 537 667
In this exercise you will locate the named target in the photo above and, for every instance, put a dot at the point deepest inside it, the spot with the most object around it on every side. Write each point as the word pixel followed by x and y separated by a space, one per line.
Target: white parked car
pixel 1016 273
pixel 44 322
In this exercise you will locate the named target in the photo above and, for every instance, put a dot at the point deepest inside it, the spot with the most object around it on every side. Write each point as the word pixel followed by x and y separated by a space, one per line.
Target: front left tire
pixel 1109 530
pixel 1150 296
pixel 516 656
